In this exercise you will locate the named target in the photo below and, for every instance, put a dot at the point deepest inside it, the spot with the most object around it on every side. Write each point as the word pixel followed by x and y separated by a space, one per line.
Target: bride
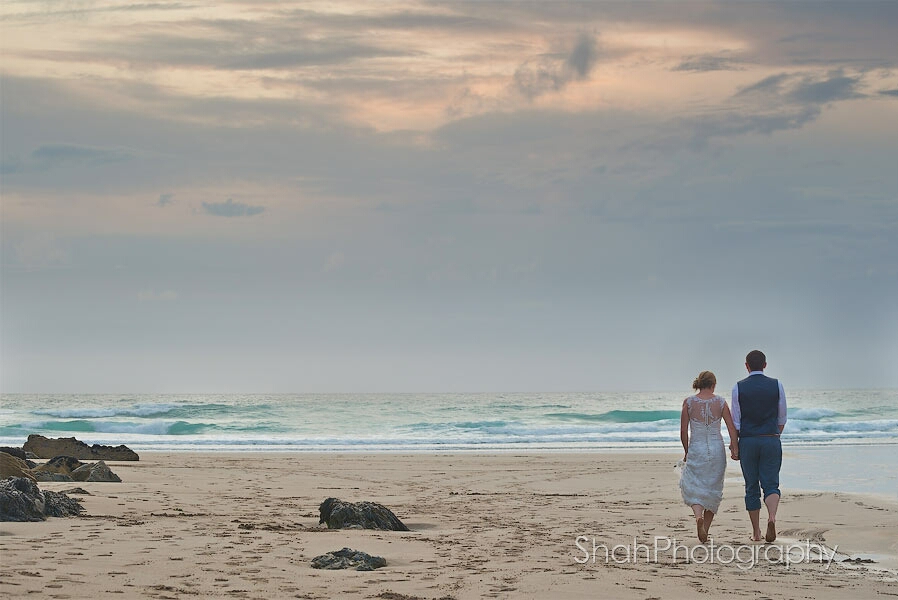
pixel 701 480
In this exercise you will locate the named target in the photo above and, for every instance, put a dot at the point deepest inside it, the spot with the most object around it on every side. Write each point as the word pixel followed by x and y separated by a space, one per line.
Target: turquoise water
pixel 419 422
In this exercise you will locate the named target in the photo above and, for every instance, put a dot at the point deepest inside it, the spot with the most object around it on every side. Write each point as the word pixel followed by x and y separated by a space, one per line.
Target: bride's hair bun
pixel 705 379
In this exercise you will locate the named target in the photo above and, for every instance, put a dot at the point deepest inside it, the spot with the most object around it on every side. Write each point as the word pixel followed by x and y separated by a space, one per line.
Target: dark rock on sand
pixel 858 560
pixel 64 465
pixel 43 447
pixel 57 504
pixel 17 452
pixel 22 500
pixel 10 466
pixel 347 558
pixel 362 515
pixel 77 491
pixel 42 476
pixel 58 468
pixel 97 471
pixel 66 468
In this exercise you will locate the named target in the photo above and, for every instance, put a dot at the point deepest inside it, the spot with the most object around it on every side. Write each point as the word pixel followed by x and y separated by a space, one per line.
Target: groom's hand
pixel 734 452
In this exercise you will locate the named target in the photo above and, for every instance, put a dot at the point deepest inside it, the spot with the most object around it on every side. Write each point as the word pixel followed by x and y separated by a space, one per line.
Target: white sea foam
pixel 419 421
pixel 139 410
pixel 811 414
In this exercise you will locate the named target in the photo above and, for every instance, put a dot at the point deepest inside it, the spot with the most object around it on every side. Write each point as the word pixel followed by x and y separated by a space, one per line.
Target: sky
pixel 254 196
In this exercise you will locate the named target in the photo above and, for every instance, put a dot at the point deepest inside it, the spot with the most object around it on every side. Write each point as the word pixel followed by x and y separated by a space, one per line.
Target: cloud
pixel 805 89
pixel 533 80
pixel 829 90
pixel 230 208
pixel 776 103
pixel 334 262
pixel 769 84
pixel 237 44
pixel 154 296
pixel 583 58
pixel 11 165
pixel 708 62
pixel 40 251
pixel 889 92
pixel 50 155
pixel 165 199
pixel 53 156
pixel 551 74
pixel 407 20
pixel 735 123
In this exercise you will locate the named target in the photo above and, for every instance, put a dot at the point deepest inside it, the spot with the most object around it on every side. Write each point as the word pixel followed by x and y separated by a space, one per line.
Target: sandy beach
pixel 502 525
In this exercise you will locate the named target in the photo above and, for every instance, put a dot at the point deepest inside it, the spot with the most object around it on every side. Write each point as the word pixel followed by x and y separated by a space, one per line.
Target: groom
pixel 759 414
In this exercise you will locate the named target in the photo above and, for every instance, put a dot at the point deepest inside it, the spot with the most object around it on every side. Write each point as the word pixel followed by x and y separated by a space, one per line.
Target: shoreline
pixel 490 524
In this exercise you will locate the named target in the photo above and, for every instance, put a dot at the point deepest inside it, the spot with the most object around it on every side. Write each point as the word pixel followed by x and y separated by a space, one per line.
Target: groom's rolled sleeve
pixel 781 413
pixel 735 410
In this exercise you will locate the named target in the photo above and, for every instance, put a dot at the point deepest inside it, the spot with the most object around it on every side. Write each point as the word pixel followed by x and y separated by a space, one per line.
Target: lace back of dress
pixel 705 411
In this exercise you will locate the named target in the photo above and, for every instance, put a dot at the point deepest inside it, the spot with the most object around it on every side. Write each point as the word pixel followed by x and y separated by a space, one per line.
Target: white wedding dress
pixel 701 480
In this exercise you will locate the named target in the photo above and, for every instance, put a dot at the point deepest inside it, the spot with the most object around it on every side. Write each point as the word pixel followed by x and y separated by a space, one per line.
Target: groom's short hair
pixel 756 360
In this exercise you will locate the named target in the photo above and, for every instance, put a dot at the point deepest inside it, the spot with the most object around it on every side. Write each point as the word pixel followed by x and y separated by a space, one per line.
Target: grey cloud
pixel 736 123
pixel 776 103
pixel 829 90
pixel 312 54
pixel 165 199
pixel 73 153
pixel 230 208
pixel 51 156
pixel 66 10
pixel 708 62
pixel 584 56
pixel 549 73
pixel 407 20
pixel 769 84
pixel 534 80
pixel 805 89
pixel 232 44
pixel 11 165
pixel 889 92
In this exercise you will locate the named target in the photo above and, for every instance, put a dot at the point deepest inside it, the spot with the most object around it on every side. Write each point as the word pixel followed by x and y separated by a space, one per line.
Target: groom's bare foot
pixel 771 532
pixel 702 532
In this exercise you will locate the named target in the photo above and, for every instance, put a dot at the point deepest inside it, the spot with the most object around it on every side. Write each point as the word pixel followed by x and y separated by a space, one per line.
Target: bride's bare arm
pixel 684 429
pixel 731 428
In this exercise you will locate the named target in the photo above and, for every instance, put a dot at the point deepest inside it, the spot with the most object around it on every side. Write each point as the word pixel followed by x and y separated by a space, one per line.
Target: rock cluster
pixel 22 500
pixel 10 466
pixel 58 468
pixel 347 558
pixel 67 468
pixel 362 515
pixel 43 447
pixel 17 452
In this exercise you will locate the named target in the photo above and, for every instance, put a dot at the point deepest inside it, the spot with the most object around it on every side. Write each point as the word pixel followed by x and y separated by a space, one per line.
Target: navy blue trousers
pixel 761 458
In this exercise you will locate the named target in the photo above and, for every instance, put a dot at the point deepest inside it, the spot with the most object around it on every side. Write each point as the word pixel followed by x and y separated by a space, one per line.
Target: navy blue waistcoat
pixel 759 398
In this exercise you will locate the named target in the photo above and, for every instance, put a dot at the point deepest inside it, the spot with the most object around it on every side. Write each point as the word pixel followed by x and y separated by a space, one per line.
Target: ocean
pixel 420 422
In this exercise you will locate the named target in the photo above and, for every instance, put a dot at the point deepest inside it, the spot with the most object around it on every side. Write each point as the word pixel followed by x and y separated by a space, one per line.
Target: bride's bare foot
pixel 770 537
pixel 756 537
pixel 708 517
pixel 702 532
